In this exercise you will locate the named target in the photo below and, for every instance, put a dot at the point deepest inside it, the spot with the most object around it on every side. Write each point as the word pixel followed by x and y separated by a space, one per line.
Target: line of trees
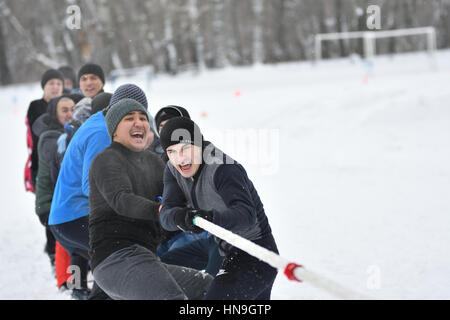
pixel 175 35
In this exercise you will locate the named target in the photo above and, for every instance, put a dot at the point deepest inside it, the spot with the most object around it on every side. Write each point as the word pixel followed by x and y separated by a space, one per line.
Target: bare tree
pixel 5 74
pixel 258 46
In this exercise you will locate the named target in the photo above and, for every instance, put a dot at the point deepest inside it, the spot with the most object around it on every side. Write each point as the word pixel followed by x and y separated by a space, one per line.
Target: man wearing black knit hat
pixel 201 181
pixel 169 112
pixel 52 82
pixel 91 79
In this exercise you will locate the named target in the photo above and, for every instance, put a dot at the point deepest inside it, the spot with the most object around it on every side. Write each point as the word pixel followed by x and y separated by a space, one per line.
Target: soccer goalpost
pixel 369 39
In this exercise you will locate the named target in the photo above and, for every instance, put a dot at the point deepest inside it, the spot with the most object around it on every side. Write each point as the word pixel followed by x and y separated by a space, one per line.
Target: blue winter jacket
pixel 71 195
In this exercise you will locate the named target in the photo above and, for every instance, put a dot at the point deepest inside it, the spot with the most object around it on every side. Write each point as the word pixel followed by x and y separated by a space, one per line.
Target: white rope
pixel 276 261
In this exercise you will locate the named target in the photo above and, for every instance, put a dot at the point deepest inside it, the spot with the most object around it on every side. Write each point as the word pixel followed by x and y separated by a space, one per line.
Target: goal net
pixel 370 37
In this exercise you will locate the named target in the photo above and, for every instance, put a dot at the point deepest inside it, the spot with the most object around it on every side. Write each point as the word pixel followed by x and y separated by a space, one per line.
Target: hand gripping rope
pixel 293 271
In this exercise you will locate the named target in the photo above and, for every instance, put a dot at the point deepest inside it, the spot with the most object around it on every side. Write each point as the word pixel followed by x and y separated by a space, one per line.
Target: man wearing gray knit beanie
pixel 125 182
pixel 69 215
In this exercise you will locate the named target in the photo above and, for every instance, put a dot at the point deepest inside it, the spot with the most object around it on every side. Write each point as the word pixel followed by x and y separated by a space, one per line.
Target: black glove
pixel 184 219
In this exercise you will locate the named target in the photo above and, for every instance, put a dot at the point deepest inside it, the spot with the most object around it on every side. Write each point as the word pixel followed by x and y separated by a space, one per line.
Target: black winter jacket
pixel 222 186
pixel 35 110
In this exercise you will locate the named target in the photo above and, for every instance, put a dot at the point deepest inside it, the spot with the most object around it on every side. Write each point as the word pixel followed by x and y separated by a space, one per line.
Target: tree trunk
pixel 5 74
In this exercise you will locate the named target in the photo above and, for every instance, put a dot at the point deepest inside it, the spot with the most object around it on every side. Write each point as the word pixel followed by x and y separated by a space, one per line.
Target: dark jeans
pixel 244 277
pixel 202 254
pixel 74 237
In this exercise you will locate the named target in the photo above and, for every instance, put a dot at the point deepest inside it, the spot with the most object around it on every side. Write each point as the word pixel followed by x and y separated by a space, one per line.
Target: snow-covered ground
pixel 351 162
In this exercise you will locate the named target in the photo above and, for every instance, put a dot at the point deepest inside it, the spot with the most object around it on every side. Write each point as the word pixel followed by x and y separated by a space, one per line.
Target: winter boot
pixel 80 294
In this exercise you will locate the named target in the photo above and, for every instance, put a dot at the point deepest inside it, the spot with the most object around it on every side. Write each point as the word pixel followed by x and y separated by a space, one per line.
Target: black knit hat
pixel 93 68
pixel 100 102
pixel 68 73
pixel 75 97
pixel 170 112
pixel 180 130
pixel 51 74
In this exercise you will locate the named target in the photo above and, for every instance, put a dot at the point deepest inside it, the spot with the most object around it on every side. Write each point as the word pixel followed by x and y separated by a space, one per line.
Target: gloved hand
pixel 184 219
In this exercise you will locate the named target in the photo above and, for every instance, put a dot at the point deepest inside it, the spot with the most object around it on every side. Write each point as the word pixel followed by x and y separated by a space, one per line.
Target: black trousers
pixel 74 237
pixel 51 242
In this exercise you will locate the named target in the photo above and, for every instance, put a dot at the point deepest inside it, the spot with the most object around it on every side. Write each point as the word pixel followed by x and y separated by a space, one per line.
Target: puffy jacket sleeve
pixel 44 190
pixel 44 183
pixel 233 186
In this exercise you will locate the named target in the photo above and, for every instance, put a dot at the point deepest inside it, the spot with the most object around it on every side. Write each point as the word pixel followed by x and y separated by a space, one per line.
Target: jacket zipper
pixel 194 198
pixel 194 201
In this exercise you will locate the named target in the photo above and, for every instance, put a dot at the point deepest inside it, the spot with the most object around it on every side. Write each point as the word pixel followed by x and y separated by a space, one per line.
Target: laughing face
pixel 133 132
pixel 186 158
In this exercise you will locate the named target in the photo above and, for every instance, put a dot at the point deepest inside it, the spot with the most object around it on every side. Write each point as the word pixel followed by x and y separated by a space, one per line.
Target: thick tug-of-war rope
pixel 292 270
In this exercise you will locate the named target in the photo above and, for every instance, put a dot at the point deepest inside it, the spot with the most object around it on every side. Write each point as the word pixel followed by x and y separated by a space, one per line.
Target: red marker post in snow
pixel 292 270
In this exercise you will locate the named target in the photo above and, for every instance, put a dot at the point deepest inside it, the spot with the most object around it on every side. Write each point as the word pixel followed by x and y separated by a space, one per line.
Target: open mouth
pixel 185 168
pixel 137 136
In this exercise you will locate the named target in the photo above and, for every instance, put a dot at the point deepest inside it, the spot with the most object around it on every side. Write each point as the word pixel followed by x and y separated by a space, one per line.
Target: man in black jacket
pixel 198 251
pixel 52 86
pixel 125 180
pixel 216 188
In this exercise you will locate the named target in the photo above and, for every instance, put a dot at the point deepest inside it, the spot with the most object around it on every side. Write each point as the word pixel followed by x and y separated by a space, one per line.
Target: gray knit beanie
pixel 132 91
pixel 119 110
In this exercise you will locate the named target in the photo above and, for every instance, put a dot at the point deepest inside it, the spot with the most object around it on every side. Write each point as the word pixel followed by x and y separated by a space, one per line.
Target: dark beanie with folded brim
pixel 180 130
pixel 91 68
pixel 119 110
pixel 170 112
pixel 51 74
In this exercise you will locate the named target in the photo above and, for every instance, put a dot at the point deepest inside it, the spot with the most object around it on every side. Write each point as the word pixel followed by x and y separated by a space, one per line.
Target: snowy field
pixel 351 161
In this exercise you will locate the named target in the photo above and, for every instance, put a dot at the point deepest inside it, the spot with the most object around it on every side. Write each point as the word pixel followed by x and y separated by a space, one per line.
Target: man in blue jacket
pixel 200 180
pixel 69 211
